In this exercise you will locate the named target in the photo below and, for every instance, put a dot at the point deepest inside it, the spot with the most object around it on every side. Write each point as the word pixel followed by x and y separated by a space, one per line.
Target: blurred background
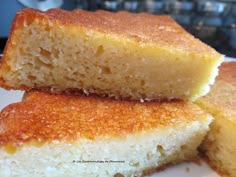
pixel 212 21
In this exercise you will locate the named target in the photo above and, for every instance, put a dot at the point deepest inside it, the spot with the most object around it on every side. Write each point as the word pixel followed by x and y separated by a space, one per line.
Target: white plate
pixel 182 170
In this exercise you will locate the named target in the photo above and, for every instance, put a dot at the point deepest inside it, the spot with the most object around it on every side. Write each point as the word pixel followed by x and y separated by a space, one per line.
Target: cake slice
pixel 121 55
pixel 220 144
pixel 62 135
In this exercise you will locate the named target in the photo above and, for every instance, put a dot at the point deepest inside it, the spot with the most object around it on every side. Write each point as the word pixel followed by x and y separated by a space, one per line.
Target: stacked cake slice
pixel 121 55
pixel 220 144
pixel 62 135
pixel 56 130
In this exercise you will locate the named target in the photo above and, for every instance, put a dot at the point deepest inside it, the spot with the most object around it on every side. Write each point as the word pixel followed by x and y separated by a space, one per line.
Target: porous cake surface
pixel 68 117
pixel 116 54
pixel 220 144
pixel 92 136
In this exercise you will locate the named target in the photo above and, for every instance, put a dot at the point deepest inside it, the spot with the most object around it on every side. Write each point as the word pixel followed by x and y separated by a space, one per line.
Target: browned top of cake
pixel 143 27
pixel 228 72
pixel 222 97
pixel 46 117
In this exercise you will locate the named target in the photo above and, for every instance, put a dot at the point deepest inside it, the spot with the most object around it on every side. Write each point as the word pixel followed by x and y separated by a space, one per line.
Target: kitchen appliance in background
pixel 42 5
pixel 213 21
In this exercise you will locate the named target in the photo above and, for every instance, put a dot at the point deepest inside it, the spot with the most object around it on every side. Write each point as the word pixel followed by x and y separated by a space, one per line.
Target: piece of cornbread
pixel 220 144
pixel 61 135
pixel 121 55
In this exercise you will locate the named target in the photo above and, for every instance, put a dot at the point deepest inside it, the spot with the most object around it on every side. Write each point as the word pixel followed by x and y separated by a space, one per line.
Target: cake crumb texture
pixel 120 55
pixel 220 144
pixel 63 135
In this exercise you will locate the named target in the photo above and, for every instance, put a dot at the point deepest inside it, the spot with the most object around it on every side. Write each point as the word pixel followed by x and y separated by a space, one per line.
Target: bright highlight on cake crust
pixel 121 55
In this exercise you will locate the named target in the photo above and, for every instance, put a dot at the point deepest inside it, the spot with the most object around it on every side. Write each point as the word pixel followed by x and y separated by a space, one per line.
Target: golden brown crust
pixel 221 173
pixel 143 29
pixel 150 171
pixel 222 97
pixel 46 117
pixel 228 72
pixel 159 30
pixel 18 23
pixel 218 147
